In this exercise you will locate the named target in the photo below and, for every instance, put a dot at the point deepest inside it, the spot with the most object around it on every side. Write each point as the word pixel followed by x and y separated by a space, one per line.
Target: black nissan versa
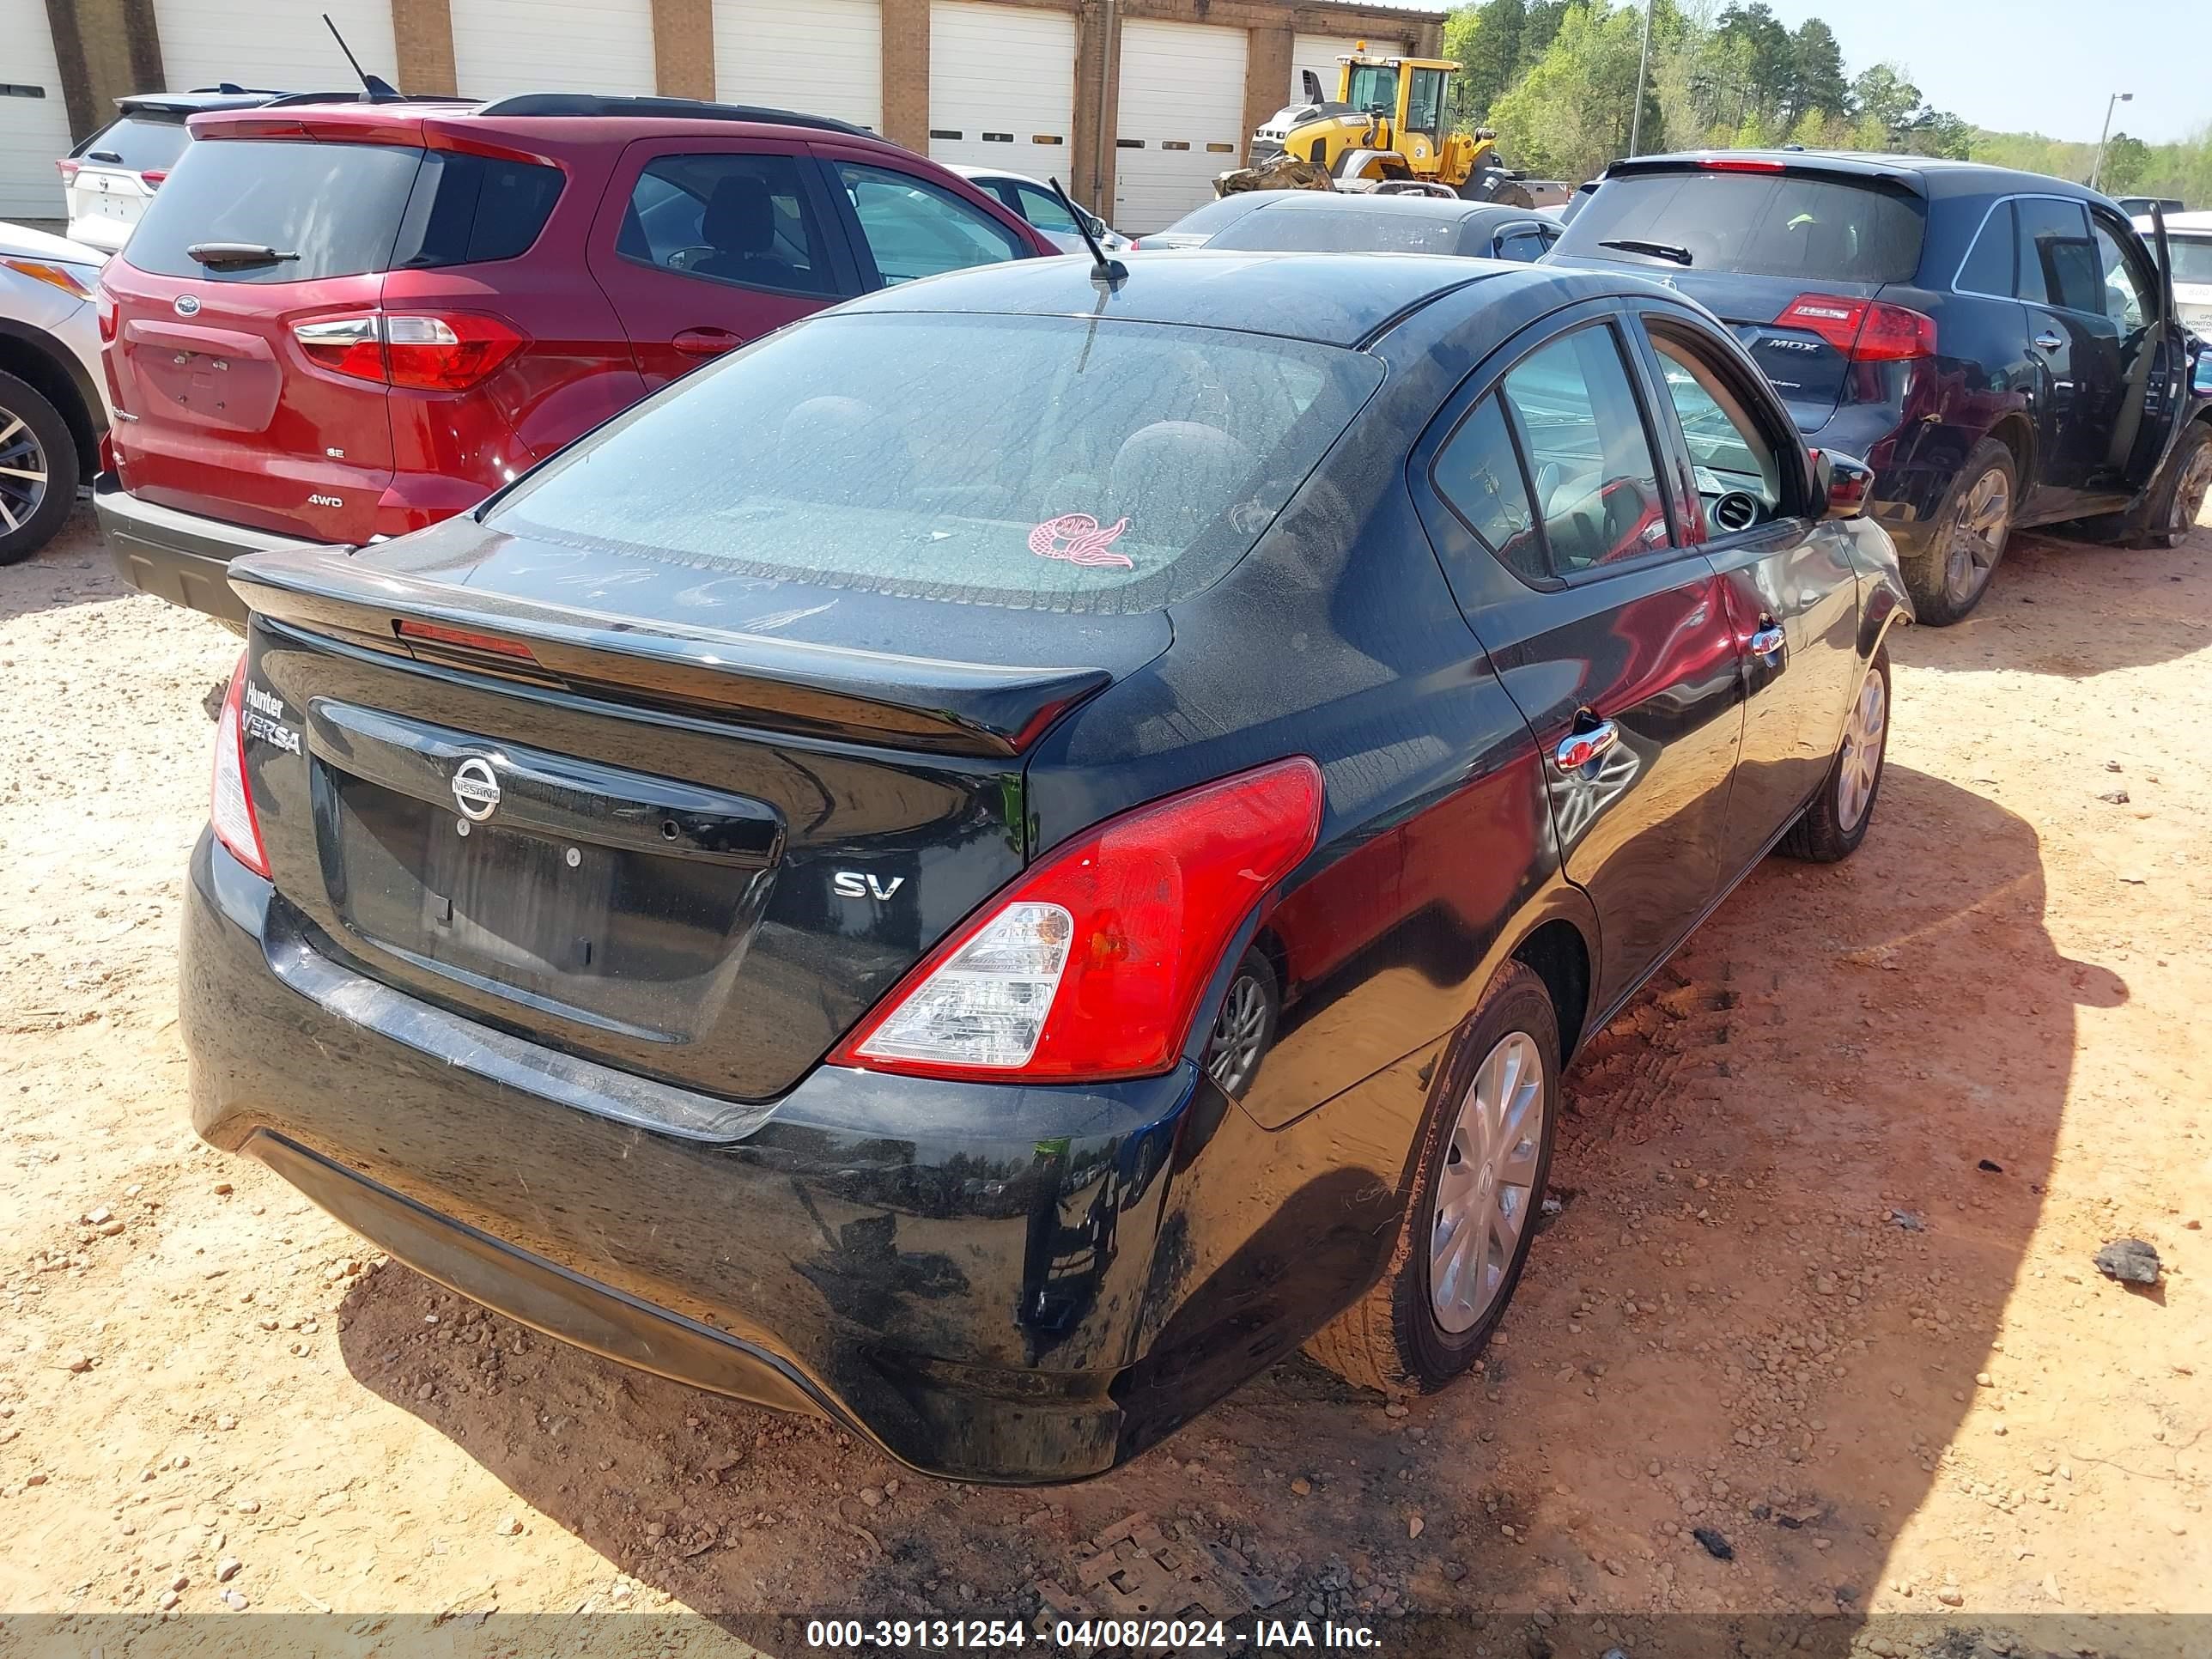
pixel 2002 348
pixel 996 861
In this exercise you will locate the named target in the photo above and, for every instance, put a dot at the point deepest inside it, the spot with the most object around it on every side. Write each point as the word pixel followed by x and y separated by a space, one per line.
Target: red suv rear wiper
pixel 232 256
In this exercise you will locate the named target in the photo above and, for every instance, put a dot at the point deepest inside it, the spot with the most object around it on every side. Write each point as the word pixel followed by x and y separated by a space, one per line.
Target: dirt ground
pixel 1822 1288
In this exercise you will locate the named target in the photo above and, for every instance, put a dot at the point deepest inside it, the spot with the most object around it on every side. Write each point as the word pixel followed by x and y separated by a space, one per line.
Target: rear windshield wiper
pixel 1673 251
pixel 235 256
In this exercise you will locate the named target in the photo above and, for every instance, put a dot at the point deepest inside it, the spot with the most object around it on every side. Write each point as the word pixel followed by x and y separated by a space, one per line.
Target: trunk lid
pixel 699 851
pixel 230 417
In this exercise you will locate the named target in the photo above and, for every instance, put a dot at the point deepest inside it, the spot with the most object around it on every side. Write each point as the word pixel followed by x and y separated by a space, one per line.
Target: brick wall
pixel 422 41
pixel 104 49
pixel 683 48
pixel 906 73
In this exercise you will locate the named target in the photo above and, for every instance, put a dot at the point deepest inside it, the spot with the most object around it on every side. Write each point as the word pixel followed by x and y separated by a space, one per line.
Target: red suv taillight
pixel 1090 965
pixel 1864 331
pixel 105 307
pixel 449 352
pixel 231 811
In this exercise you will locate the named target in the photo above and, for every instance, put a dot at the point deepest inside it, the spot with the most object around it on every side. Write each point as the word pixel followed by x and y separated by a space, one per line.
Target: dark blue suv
pixel 2002 347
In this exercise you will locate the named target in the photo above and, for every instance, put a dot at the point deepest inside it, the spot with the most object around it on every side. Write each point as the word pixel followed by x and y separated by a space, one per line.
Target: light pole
pixel 2098 167
pixel 1642 64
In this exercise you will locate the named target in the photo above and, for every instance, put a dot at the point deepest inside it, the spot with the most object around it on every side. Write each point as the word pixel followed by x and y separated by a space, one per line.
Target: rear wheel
pixel 1245 1028
pixel 2179 496
pixel 38 469
pixel 1971 527
pixel 1836 823
pixel 1484 1154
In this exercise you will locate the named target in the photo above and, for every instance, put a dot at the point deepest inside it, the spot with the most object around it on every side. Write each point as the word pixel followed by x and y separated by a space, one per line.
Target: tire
pixel 1244 1029
pixel 1395 1338
pixel 1832 827
pixel 2178 495
pixel 38 440
pixel 1971 525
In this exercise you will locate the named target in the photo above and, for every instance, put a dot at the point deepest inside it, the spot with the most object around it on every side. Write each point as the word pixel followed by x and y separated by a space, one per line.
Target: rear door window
pixel 1478 473
pixel 1596 484
pixel 2130 299
pixel 912 228
pixel 142 143
pixel 1042 209
pixel 1085 465
pixel 325 209
pixel 2058 262
pixel 1767 224
pixel 1522 243
pixel 728 217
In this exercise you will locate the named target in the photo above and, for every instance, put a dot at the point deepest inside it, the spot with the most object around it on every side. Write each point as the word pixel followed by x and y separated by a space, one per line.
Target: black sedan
pixel 993 864
pixel 1344 222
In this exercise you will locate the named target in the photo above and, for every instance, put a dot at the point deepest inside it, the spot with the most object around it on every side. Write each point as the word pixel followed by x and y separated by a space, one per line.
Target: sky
pixel 2041 66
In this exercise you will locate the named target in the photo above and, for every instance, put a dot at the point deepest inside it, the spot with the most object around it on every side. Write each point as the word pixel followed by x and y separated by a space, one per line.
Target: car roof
pixel 1331 299
pixel 226 96
pixel 1449 209
pixel 1931 176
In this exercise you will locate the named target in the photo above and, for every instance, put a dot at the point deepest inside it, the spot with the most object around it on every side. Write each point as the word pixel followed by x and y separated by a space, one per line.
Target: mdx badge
pixel 186 304
pixel 476 788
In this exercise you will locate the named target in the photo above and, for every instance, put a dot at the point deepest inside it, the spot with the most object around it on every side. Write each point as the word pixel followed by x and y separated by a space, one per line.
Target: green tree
pixel 1816 71
pixel 1570 113
pixel 1486 41
pixel 1883 95
pixel 1773 58
pixel 2127 161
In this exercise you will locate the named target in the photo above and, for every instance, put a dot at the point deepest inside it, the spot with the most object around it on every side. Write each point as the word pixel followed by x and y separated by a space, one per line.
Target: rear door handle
pixel 1578 749
pixel 706 342
pixel 1768 642
pixel 2051 339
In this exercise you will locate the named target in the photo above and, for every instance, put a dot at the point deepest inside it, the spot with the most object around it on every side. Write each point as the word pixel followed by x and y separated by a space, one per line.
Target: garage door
pixel 825 58
pixel 33 125
pixel 1180 119
pixel 1001 87
pixel 505 46
pixel 278 44
pixel 1319 53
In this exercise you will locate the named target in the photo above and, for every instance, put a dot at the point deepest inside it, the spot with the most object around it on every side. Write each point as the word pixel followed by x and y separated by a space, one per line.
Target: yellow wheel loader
pixel 1384 130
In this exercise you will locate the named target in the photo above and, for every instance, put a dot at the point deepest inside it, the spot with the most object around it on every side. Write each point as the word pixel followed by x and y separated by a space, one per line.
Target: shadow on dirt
pixel 73 568
pixel 1761 1316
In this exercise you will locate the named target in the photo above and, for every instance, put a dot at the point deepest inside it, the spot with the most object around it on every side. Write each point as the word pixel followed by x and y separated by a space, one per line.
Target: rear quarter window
pixel 1759 223
pixel 1031 462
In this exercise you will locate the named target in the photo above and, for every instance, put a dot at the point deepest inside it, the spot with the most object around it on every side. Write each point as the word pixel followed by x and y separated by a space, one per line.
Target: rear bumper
pixel 990 1283
pixel 182 557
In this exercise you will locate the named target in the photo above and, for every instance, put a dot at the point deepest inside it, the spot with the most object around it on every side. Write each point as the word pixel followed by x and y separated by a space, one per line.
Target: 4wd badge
pixel 476 788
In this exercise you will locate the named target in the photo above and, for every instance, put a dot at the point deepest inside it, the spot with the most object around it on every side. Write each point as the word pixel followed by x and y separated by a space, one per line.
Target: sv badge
pixel 852 884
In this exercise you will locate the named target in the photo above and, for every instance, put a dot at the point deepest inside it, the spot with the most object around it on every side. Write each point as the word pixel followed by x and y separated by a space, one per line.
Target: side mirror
pixel 1842 483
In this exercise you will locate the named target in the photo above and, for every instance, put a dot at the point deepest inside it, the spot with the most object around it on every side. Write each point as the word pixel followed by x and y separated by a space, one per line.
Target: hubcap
pixel 2189 495
pixel 1487 1184
pixel 1232 1054
pixel 1977 537
pixel 23 471
pixel 1860 766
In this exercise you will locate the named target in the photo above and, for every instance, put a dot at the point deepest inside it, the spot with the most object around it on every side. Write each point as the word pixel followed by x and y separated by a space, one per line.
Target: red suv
pixel 341 322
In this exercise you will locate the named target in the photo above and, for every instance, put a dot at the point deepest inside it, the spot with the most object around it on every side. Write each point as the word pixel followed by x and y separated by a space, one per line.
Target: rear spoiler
pixel 913 702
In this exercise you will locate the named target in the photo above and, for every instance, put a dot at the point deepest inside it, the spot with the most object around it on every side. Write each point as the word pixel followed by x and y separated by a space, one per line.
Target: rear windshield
pixel 1349 231
pixel 2192 257
pixel 141 143
pixel 340 209
pixel 1037 461
pixel 1764 224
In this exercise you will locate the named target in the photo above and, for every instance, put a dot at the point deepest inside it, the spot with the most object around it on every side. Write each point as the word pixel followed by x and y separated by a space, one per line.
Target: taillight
pixel 1864 331
pixel 1740 164
pixel 466 639
pixel 106 307
pixel 1090 965
pixel 449 352
pixel 67 169
pixel 231 811
pixel 153 179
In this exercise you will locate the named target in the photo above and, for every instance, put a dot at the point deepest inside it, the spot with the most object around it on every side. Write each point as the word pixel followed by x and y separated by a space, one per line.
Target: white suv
pixel 110 177
pixel 53 400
